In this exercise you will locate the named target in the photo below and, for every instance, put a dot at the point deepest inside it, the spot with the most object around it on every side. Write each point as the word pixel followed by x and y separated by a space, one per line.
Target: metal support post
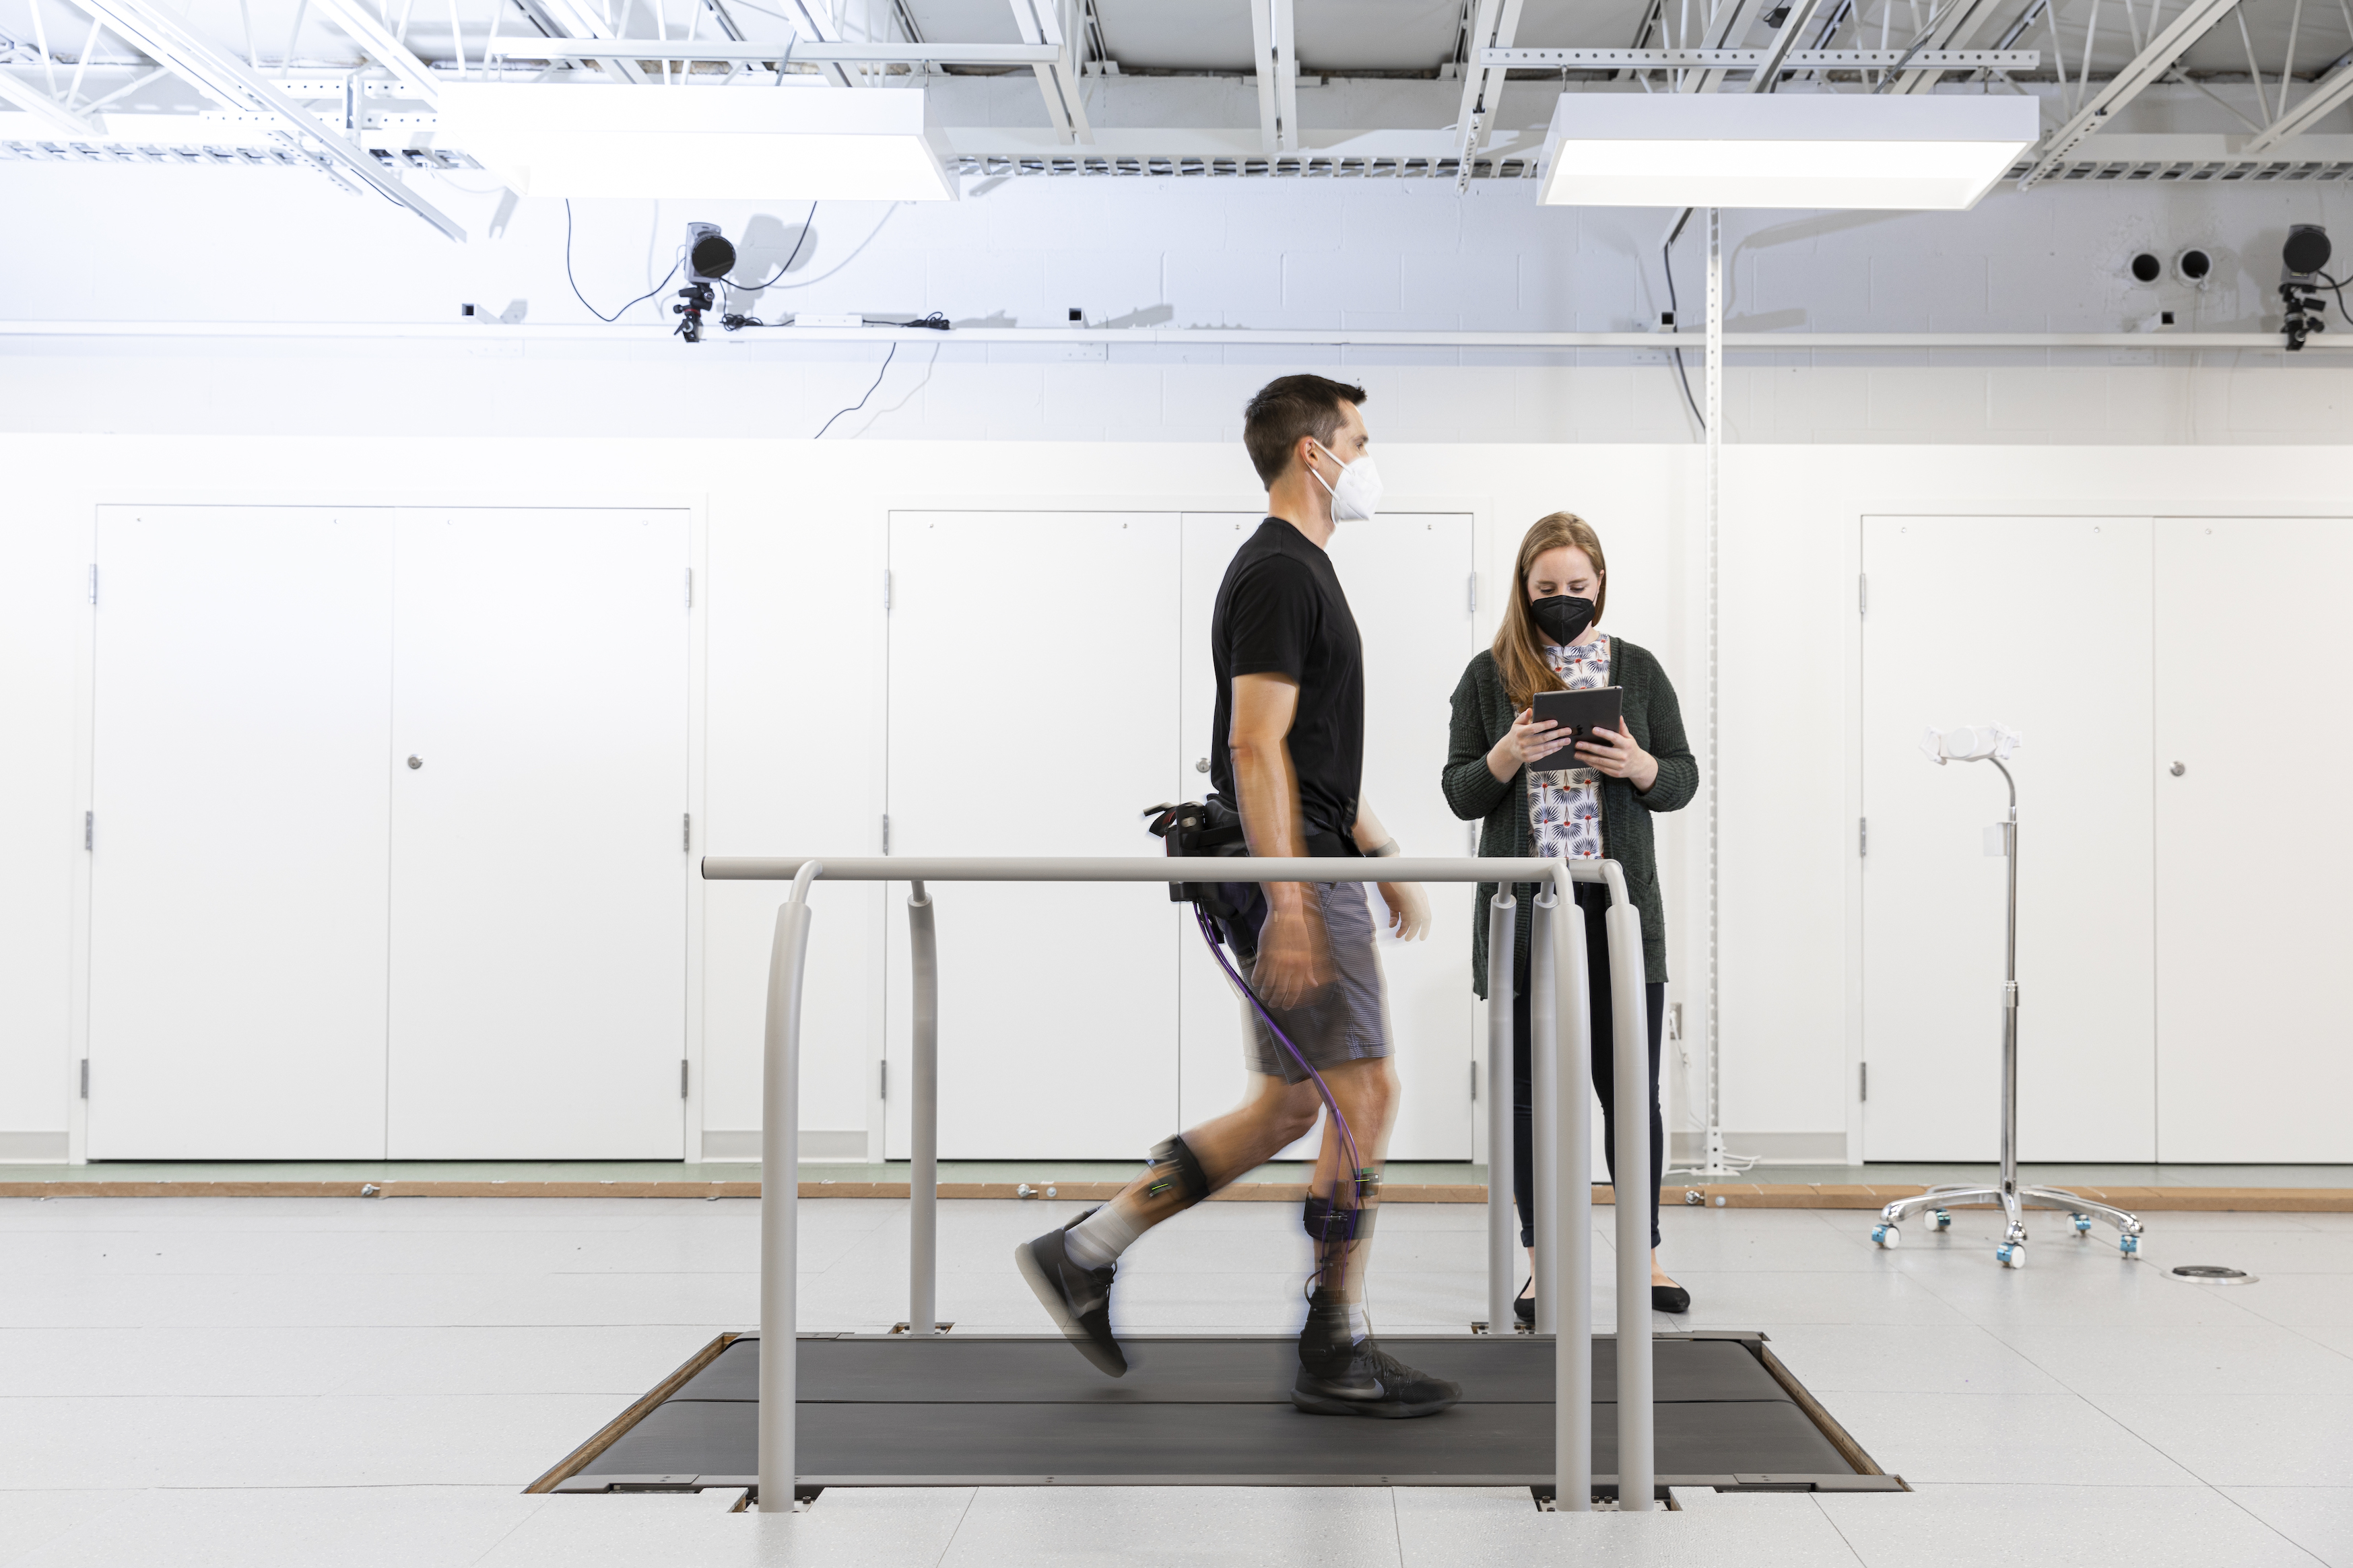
pixel 1571 1286
pixel 1503 1229
pixel 924 1122
pixel 1636 1457
pixel 780 1175
pixel 1544 1071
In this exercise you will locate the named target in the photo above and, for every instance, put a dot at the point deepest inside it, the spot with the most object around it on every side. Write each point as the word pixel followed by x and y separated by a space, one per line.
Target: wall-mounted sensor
pixel 2306 250
pixel 709 256
pixel 2146 268
pixel 2194 267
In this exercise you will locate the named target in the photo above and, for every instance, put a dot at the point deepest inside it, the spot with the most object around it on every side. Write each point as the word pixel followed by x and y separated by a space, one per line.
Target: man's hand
pixel 1294 962
pixel 1409 910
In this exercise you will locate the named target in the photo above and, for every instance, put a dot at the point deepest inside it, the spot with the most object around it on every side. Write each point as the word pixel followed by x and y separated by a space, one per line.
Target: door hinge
pixel 886 1079
pixel 89 830
pixel 93 582
pixel 1862 836
pixel 886 593
pixel 85 1077
pixel 886 833
pixel 1475 1080
pixel 682 1070
pixel 1862 593
pixel 1864 1077
pixel 690 587
pixel 1473 606
pixel 686 833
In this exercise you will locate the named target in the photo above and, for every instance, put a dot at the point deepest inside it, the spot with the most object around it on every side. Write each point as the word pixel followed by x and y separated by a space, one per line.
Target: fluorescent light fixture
pixel 1782 149
pixel 706 143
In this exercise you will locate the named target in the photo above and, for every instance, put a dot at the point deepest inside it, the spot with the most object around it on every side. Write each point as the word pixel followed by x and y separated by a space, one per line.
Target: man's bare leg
pixel 1367 1094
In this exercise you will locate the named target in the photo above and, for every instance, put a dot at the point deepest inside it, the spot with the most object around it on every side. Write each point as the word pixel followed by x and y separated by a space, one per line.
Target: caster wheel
pixel 2129 1246
pixel 1886 1235
pixel 2082 1223
pixel 1940 1219
pixel 2012 1254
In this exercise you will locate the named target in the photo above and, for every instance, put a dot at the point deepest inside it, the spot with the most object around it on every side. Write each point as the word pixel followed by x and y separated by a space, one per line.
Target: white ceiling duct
pixel 1782 149
pixel 712 144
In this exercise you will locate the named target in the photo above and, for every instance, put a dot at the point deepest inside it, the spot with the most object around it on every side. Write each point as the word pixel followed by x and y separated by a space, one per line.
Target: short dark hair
pixel 1288 407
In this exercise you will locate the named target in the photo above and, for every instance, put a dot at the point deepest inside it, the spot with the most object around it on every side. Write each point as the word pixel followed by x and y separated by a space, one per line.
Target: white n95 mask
pixel 1357 496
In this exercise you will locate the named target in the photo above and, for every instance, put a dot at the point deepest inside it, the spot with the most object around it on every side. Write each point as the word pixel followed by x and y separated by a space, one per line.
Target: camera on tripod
pixel 2302 281
pixel 709 260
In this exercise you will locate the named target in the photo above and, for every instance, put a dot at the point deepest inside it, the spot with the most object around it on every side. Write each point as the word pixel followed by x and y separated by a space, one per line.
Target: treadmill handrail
pixel 1563 1054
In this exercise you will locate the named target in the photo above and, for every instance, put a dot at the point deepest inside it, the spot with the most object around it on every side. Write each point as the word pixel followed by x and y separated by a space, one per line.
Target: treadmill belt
pixel 1027 1411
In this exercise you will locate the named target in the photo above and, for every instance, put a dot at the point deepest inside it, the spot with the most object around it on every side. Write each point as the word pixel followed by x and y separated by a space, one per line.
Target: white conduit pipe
pixel 1567 1207
pixel 1285 337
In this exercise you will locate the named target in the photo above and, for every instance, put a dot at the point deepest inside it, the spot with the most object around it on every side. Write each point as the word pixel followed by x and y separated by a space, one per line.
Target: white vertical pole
pixel 1543 1052
pixel 1631 1070
pixel 1503 1230
pixel 924 1123
pixel 1572 1208
pixel 780 1169
pixel 1712 1158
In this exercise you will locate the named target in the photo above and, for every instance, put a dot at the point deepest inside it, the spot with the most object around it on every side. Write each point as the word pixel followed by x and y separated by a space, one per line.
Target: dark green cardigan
pixel 1483 713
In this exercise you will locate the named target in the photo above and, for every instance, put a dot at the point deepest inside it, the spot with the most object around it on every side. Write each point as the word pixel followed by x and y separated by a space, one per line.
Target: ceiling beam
pixel 1767 77
pixel 167 40
pixel 34 101
pixel 2327 95
pixel 790 51
pixel 360 25
pixel 1727 28
pixel 1273 49
pixel 2147 67
pixel 1040 23
pixel 1755 59
pixel 1493 26
pixel 570 19
pixel 1950 30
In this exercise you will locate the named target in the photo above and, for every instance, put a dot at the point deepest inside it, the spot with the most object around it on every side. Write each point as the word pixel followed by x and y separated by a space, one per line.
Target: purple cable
pixel 1218 951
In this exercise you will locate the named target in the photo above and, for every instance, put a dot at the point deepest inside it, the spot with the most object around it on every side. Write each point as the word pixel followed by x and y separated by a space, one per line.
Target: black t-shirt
pixel 1281 612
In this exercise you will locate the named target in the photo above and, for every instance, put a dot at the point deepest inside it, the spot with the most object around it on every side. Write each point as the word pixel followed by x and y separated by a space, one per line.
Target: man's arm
pixel 1292 959
pixel 1409 908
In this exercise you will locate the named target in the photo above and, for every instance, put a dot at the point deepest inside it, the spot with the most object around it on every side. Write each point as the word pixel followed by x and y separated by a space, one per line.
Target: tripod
pixel 1964 746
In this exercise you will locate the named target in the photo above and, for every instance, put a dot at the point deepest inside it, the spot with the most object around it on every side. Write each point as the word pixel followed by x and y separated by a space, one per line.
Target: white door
pixel 242 701
pixel 538 868
pixel 2042 624
pixel 1033 711
pixel 1408 579
pixel 2254 854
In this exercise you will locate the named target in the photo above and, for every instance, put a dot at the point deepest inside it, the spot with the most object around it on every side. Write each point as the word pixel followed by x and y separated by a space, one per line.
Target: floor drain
pixel 2212 1274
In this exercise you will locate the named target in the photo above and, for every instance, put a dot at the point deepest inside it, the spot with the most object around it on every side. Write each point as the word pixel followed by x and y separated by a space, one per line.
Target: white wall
pixel 793 614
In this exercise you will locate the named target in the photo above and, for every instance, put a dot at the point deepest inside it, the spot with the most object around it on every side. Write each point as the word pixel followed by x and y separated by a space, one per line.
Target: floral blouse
pixel 1565 807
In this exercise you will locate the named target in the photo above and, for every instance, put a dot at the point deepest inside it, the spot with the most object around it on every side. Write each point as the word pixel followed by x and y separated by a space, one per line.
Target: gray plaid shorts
pixel 1349 1021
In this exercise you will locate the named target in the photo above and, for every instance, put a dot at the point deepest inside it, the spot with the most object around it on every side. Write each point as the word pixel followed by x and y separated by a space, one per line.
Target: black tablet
pixel 1580 713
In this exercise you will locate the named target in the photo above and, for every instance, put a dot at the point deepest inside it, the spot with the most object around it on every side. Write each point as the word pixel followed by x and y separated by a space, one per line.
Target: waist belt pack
pixel 1213 829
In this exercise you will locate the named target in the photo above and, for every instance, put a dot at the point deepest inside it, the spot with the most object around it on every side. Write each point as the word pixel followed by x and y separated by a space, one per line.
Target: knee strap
pixel 1175 1168
pixel 1326 1223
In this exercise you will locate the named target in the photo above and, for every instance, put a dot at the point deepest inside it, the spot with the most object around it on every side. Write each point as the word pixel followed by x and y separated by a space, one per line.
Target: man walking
pixel 1287 754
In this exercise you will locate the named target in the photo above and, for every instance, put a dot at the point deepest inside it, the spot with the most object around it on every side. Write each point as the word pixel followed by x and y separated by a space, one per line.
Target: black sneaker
pixel 1336 1378
pixel 1078 1299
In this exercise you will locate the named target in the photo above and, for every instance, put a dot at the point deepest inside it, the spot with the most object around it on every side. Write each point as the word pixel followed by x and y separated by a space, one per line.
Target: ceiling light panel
pixel 1782 149
pixel 717 143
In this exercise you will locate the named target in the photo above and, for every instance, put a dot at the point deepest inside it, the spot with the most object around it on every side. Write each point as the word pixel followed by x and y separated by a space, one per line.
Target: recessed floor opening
pixel 883 1410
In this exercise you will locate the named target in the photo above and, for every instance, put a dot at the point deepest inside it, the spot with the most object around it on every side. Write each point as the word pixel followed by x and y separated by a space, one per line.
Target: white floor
pixel 324 1382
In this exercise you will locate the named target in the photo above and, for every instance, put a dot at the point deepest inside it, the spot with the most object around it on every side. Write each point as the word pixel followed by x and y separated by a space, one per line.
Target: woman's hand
pixel 1529 740
pixel 1616 754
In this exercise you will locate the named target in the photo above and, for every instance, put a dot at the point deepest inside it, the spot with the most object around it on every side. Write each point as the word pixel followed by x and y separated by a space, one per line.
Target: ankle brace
pixel 1175 1168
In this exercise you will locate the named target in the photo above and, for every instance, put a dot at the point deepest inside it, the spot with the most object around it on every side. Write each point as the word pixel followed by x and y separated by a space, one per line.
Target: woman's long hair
pixel 1519 645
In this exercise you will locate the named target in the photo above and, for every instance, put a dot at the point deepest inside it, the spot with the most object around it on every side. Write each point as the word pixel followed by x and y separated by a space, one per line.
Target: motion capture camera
pixel 2302 260
pixel 709 260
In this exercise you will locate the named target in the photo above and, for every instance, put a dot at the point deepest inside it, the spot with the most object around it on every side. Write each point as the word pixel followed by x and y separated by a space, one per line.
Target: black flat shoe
pixel 1523 1308
pixel 1670 1298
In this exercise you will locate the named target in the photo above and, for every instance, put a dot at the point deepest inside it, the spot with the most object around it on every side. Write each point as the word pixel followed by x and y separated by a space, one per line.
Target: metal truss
pixel 1041 24
pixel 1276 54
pixel 2153 60
pixel 1722 62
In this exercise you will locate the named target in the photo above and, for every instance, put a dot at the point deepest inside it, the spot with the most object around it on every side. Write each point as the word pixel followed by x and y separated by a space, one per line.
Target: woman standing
pixel 1539 798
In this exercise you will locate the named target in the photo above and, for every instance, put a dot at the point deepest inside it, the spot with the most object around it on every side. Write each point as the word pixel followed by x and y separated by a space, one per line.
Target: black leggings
pixel 1593 898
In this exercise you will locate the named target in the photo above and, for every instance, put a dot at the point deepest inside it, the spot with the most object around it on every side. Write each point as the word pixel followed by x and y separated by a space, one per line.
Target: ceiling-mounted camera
pixel 2194 267
pixel 2301 259
pixel 709 260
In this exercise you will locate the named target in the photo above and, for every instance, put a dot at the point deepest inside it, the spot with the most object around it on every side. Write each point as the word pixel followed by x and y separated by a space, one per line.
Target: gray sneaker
pixel 1077 1298
pixel 1337 1378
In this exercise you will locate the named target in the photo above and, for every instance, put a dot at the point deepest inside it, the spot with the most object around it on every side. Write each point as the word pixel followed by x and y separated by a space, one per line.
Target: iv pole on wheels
pixel 1992 743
